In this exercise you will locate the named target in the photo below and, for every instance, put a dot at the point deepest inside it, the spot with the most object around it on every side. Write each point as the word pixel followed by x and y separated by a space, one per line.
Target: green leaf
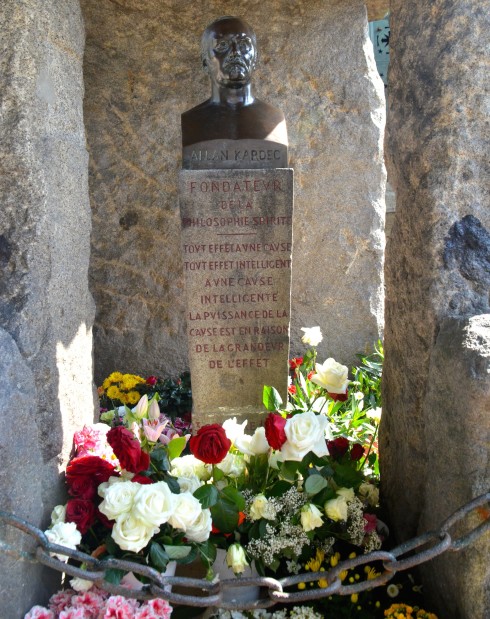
pixel 172 483
pixel 289 469
pixel 347 477
pixel 207 495
pixel 315 484
pixel 225 515
pixel 190 558
pixel 279 488
pixel 271 398
pixel 177 552
pixel 159 459
pixel 158 557
pixel 207 552
pixel 114 576
pixel 236 496
pixel 176 447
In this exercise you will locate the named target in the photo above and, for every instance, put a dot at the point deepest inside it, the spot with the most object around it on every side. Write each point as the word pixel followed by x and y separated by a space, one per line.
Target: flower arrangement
pixel 294 495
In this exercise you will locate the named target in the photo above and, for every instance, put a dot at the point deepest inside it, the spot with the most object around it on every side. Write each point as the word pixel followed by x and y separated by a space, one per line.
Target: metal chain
pixel 272 591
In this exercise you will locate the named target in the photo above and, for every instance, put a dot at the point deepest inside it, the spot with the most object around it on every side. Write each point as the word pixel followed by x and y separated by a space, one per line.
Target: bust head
pixel 229 52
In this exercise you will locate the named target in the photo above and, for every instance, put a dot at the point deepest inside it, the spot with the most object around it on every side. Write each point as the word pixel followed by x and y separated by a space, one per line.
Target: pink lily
pixel 153 429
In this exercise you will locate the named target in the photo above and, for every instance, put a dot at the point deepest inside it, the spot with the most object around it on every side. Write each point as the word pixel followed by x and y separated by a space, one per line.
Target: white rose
pixel 253 445
pixel 101 489
pixel 236 559
pixel 187 466
pixel 153 503
pixel 311 517
pixel 80 584
pixel 118 499
pixel 233 429
pixel 369 493
pixel 260 508
pixel 58 514
pixel 233 465
pixel 187 510
pixel 347 493
pixel 200 529
pixel 189 484
pixel 313 336
pixel 305 432
pixel 130 533
pixel 336 509
pixel 331 375
pixel 64 534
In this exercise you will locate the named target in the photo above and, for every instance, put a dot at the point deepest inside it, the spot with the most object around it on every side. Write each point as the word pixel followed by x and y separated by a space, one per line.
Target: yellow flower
pixel 322 583
pixel 343 575
pixel 130 381
pixel 115 377
pixel 315 564
pixel 352 555
pixel 113 393
pixel 371 573
pixel 354 598
pixel 301 586
pixel 123 397
pixel 133 397
pixel 335 559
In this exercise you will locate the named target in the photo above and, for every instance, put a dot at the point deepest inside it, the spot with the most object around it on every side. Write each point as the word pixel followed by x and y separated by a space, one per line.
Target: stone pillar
pixel 435 428
pixel 46 310
pixel 317 66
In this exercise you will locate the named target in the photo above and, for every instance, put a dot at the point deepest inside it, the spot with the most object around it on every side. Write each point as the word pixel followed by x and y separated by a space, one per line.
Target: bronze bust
pixel 229 56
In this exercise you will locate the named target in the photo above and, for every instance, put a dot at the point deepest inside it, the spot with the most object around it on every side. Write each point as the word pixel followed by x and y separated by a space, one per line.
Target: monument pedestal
pixel 236 248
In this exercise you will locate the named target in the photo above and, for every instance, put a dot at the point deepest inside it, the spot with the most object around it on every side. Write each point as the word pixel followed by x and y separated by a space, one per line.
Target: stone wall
pixel 435 429
pixel 46 311
pixel 142 70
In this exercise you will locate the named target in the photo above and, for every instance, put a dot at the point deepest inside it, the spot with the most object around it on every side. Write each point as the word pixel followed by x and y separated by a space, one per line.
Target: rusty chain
pixel 405 556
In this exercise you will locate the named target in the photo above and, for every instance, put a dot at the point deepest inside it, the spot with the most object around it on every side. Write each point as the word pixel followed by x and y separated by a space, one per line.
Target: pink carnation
pixel 91 602
pixel 370 522
pixel 119 607
pixel 39 612
pixel 61 600
pixel 161 607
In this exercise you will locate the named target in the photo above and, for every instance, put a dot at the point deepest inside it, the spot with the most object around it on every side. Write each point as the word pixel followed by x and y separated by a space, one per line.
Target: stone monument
pixel 236 205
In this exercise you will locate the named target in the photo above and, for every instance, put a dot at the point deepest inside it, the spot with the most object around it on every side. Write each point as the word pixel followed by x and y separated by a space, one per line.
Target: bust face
pixel 229 52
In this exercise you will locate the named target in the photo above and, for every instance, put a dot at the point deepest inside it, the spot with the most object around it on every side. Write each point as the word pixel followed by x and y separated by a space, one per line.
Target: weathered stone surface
pixel 45 304
pixel 20 491
pixel 236 248
pixel 457 428
pixel 142 70
pixel 438 255
pixel 377 9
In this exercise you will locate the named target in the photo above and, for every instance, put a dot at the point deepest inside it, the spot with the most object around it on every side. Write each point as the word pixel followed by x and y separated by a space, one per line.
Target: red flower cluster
pixel 128 450
pixel 339 397
pixel 151 381
pixel 210 444
pixel 83 476
pixel 274 430
pixel 340 446
pixel 292 389
pixel 295 362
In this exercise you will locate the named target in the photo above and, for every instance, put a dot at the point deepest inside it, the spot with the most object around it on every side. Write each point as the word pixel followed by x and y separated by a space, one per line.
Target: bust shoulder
pixel 213 121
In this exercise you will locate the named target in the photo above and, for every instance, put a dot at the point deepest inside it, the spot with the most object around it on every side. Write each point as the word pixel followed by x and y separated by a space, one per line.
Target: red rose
pixel 357 452
pixel 82 513
pixel 151 380
pixel 295 362
pixel 338 447
pixel 210 444
pixel 339 397
pixel 84 468
pixel 104 520
pixel 128 450
pixel 82 487
pixel 274 430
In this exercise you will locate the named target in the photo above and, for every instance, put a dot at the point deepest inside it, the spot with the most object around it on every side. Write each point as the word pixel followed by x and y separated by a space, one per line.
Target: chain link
pixel 272 591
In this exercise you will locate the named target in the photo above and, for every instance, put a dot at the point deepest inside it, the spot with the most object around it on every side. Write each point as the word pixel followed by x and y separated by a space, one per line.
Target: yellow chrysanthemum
pixel 130 381
pixel 124 397
pixel 106 384
pixel 113 393
pixel 115 377
pixel 133 397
